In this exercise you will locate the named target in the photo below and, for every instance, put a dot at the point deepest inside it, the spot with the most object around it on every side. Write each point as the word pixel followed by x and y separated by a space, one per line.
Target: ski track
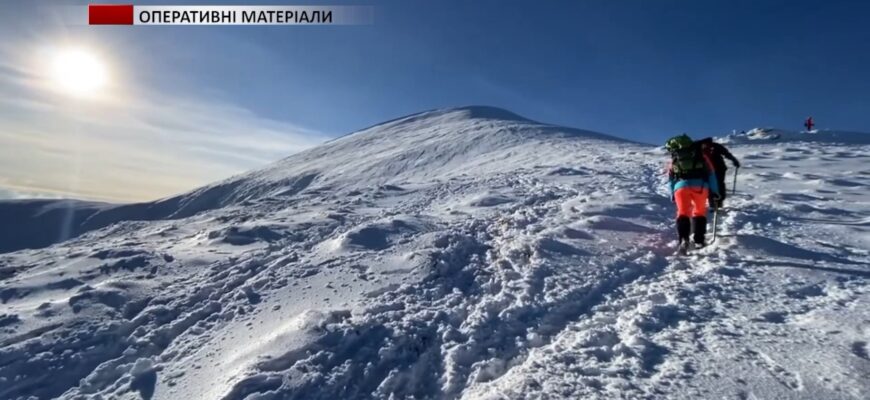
pixel 550 280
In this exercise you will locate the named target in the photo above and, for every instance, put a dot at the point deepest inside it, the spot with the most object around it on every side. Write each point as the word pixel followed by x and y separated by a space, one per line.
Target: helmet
pixel 679 142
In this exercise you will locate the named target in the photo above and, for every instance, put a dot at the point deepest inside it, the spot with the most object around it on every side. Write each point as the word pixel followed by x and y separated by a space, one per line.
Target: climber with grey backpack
pixel 692 182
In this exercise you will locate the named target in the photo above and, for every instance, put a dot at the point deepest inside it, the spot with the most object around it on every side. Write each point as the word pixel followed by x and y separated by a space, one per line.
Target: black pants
pixel 723 191
pixel 720 181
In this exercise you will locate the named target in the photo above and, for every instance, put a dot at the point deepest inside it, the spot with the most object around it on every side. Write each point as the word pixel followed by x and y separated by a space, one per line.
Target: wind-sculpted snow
pixel 457 254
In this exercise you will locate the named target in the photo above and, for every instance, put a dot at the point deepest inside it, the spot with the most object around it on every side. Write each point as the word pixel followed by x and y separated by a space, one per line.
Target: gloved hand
pixel 736 164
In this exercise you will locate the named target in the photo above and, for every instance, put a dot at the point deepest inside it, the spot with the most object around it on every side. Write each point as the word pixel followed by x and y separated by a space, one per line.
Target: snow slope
pixel 815 136
pixel 438 144
pixel 456 254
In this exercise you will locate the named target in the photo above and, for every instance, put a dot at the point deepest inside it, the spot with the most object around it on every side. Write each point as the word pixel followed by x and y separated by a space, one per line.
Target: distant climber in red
pixel 809 123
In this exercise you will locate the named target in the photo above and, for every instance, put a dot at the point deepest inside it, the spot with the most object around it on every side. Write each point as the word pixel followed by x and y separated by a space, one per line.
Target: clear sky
pixel 184 106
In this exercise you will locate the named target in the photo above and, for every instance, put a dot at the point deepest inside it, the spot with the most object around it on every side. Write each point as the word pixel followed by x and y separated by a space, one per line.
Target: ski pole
pixel 715 222
pixel 734 185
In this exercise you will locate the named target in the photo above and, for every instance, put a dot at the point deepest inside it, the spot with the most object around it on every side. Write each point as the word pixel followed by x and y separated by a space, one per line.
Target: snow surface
pixel 455 254
pixel 818 136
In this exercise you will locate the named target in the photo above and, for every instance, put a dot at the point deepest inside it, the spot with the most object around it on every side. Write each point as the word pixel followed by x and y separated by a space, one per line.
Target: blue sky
pixel 196 104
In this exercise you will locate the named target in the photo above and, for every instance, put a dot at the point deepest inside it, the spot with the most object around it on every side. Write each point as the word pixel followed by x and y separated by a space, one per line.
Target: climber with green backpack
pixel 692 181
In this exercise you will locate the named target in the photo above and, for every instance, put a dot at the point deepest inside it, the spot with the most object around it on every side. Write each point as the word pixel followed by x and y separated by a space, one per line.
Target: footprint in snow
pixel 607 223
pixel 554 247
pixel 8 319
pixel 572 233
pixel 775 317
pixel 860 349
pixel 806 291
pixel 730 272
pixel 787 378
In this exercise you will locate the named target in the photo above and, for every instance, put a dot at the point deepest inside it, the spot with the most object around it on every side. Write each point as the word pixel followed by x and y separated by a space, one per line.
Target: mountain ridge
pixel 425 134
pixel 433 140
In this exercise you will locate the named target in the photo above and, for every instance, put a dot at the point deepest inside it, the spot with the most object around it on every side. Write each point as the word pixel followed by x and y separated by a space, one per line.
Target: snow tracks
pixel 500 286
pixel 552 281
pixel 776 309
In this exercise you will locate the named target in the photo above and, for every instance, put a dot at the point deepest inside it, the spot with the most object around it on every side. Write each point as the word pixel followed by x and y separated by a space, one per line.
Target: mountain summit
pixel 433 144
pixel 467 112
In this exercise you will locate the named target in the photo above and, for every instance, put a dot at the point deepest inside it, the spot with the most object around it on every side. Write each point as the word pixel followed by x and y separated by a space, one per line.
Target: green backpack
pixel 687 161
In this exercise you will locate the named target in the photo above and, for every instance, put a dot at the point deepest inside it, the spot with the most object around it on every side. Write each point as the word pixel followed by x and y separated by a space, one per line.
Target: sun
pixel 78 72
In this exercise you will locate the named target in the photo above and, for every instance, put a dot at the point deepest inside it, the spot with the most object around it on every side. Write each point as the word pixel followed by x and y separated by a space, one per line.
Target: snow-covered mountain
pixel 455 254
pixel 440 144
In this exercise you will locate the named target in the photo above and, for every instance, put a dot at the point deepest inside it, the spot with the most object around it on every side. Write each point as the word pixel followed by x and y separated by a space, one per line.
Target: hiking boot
pixel 683 247
pixel 684 228
pixel 699 229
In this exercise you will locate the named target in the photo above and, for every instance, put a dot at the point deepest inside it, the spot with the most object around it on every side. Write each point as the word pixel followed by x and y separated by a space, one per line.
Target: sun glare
pixel 78 72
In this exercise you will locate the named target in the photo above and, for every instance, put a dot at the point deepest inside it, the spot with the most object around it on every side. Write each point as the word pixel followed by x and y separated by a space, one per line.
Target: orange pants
pixel 691 201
